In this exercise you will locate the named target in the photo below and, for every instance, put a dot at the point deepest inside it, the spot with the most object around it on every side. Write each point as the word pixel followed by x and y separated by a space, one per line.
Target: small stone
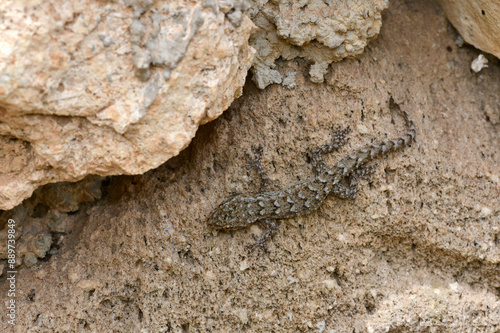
pixel 485 212
pixel 30 259
pixel 40 244
pixel 244 265
pixel 459 41
pixel 57 221
pixel 88 285
pixel 330 284
pixel 318 71
pixel 479 63
pixel 289 80
pixel 362 129
pixel 210 276
pixel 242 314
pixel 321 326
pixel 169 262
pixel 494 178
pixel 73 277
pixel 41 274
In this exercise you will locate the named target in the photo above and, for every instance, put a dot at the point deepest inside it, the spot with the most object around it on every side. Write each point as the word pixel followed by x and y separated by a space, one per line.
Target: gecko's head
pixel 231 214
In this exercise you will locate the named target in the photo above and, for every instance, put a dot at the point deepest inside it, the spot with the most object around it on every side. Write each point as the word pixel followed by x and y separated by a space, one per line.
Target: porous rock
pixel 106 88
pixel 319 31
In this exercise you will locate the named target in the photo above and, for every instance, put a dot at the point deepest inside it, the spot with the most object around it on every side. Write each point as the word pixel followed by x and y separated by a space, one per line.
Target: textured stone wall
pixel 478 21
pixel 418 250
pixel 93 87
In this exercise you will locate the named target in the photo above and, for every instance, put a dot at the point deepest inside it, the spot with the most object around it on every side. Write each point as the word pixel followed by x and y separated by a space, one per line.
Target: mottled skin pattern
pixel 305 196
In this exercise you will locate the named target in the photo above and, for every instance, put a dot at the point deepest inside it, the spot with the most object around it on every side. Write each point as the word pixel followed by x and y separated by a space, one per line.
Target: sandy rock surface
pixel 417 251
pixel 478 21
pixel 92 87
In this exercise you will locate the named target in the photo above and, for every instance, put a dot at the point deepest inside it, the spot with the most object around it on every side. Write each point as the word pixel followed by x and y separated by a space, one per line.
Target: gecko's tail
pixel 412 131
pixel 366 154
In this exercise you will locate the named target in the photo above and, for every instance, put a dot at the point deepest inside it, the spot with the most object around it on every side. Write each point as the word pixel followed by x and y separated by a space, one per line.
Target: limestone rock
pixel 319 31
pixel 110 87
pixel 478 21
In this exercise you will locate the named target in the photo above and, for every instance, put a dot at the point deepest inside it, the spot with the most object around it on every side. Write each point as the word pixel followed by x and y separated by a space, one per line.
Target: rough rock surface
pixel 46 216
pixel 424 308
pixel 92 87
pixel 417 251
pixel 478 21
pixel 319 31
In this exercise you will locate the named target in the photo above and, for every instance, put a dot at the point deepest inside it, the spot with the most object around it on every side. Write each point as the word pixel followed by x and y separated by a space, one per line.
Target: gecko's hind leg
pixel 261 242
pixel 255 162
pixel 351 191
pixel 338 140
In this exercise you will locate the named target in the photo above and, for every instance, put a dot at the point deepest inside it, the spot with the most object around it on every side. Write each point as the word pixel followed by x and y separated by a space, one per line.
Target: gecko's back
pixel 298 199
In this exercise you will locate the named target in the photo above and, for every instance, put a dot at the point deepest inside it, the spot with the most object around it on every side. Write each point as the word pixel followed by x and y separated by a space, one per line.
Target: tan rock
pixel 319 31
pixel 478 21
pixel 106 88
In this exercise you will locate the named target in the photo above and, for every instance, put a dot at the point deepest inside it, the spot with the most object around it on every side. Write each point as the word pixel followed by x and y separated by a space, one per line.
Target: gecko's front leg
pixel 272 227
pixel 351 191
pixel 255 162
pixel 316 154
pixel 261 242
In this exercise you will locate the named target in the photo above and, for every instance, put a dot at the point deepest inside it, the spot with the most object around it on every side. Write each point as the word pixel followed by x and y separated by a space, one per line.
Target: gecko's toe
pixel 258 244
pixel 364 172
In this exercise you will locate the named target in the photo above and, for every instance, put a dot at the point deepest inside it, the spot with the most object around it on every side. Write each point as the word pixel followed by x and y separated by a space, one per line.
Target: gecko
pixel 306 196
